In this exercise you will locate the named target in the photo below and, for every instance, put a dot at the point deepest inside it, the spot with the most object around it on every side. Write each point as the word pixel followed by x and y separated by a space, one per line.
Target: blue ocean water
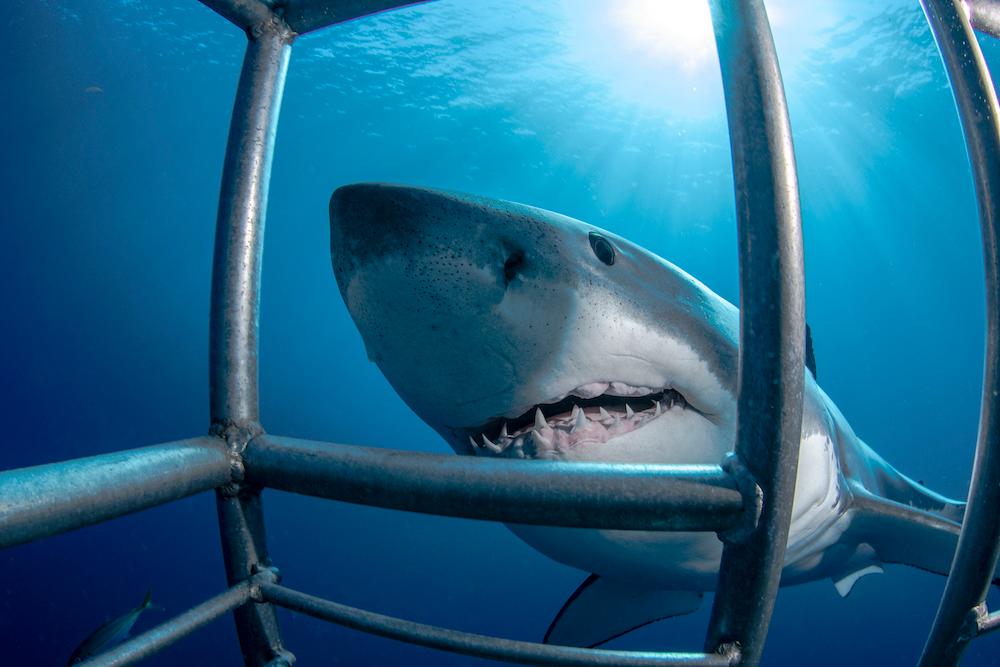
pixel 114 127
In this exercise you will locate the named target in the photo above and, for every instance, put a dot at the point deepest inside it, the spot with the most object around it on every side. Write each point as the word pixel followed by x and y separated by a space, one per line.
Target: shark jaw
pixel 594 414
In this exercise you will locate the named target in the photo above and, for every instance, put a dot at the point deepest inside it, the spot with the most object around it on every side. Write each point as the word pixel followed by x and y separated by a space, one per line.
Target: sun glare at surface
pixel 679 31
pixel 651 54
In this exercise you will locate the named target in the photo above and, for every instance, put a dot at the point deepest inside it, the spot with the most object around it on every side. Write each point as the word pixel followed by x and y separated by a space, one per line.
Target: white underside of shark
pixel 519 333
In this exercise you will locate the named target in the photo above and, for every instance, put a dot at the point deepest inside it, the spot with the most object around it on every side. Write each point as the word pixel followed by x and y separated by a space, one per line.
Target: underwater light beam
pixel 675 30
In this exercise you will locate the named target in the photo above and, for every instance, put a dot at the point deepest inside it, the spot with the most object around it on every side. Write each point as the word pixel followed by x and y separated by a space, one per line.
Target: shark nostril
pixel 512 266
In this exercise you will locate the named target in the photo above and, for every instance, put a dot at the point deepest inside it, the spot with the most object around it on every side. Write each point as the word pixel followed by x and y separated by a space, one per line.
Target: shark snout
pixel 425 275
pixel 369 221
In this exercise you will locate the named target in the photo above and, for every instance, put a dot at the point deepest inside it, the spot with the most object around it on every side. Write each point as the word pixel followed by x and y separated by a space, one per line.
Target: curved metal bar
pixel 481 646
pixel 235 308
pixel 46 500
pixel 595 495
pixel 239 239
pixel 153 641
pixel 772 329
pixel 979 544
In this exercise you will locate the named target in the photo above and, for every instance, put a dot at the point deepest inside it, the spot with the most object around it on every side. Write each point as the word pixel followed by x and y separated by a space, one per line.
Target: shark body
pixel 521 333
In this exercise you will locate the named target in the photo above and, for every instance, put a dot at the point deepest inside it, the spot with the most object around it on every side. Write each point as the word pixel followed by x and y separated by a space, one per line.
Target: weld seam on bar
pixel 49 499
pixel 987 622
pixel 250 15
pixel 772 323
pixel 482 646
pixel 156 639
pixel 975 559
pixel 595 495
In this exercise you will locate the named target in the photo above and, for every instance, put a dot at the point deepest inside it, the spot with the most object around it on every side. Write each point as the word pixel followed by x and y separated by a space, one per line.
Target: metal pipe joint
pixel 753 500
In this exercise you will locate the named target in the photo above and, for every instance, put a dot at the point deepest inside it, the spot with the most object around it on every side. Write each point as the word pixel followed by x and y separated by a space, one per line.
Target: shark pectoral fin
pixel 846 583
pixel 600 610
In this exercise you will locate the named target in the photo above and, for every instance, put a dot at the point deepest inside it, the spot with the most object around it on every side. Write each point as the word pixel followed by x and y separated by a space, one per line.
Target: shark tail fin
pixel 600 610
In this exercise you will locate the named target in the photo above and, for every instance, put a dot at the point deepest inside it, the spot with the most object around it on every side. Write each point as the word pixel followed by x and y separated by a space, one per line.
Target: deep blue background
pixel 108 201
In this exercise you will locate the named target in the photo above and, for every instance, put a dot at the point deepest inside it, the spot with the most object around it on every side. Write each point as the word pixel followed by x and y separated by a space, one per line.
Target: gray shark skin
pixel 521 333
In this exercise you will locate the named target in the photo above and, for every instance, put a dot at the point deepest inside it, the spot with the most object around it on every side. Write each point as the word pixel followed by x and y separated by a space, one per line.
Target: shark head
pixel 518 332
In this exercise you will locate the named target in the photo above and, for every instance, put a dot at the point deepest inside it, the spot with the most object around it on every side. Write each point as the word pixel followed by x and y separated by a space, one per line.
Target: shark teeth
pixel 540 419
pixel 492 447
pixel 573 422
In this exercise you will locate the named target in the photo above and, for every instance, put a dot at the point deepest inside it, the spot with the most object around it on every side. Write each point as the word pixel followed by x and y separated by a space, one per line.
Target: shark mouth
pixel 591 414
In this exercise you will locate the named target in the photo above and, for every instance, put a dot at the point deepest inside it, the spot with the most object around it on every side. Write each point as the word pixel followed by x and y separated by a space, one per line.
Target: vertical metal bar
pixel 244 550
pixel 772 329
pixel 234 317
pixel 979 544
pixel 239 238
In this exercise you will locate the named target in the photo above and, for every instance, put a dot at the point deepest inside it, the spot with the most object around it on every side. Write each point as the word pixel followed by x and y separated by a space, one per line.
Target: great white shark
pixel 521 333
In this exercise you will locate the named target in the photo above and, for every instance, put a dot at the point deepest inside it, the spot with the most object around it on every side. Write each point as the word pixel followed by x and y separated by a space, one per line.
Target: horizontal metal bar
pixel 245 14
pixel 307 15
pixel 482 646
pixel 987 622
pixel 563 493
pixel 152 641
pixel 985 16
pixel 46 500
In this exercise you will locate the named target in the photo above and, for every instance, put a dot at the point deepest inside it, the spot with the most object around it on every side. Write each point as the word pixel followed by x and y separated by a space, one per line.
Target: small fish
pixel 93 90
pixel 110 634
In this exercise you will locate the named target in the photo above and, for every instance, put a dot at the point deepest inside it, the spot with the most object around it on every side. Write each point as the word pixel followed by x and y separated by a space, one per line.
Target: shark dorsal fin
pixel 810 353
pixel 600 610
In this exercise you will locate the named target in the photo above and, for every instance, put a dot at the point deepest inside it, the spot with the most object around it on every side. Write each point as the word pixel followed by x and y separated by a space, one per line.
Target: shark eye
pixel 602 248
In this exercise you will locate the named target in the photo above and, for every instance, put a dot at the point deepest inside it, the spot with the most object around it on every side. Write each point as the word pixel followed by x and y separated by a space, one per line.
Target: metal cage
pixel 753 489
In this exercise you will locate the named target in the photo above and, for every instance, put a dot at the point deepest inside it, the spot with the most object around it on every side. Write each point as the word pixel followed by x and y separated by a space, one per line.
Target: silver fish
pixel 110 634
